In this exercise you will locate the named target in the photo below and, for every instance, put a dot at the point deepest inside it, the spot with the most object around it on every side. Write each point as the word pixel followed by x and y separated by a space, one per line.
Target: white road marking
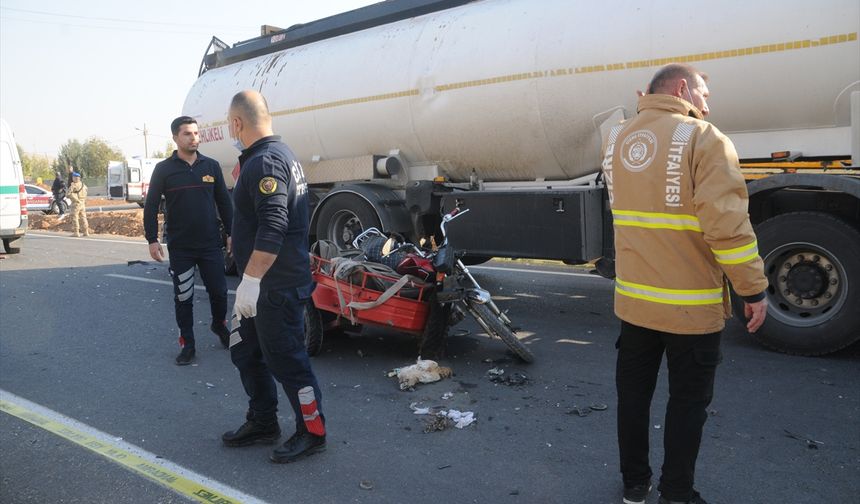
pixel 132 457
pixel 32 234
pixel 540 272
pixel 159 282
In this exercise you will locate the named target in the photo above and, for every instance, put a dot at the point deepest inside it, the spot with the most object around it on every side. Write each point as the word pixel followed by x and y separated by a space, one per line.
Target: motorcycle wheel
pixel 313 329
pixel 435 335
pixel 501 330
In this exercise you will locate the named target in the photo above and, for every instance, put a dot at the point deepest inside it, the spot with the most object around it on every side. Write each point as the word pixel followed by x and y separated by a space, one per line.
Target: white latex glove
pixel 246 297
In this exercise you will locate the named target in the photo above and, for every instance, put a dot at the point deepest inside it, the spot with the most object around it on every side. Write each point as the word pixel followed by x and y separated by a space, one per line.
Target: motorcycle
pixel 456 292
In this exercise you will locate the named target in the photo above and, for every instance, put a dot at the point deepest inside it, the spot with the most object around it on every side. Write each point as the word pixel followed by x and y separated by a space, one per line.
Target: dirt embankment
pixel 120 222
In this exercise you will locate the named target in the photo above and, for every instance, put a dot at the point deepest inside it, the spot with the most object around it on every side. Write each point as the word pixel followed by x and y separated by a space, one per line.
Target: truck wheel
pixel 343 217
pixel 313 329
pixel 812 262
pixel 7 244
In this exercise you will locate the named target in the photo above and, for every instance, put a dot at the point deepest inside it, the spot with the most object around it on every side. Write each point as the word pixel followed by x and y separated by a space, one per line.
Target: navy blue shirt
pixel 195 196
pixel 272 213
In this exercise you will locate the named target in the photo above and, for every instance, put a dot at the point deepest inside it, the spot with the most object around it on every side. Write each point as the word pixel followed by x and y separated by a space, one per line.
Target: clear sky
pixel 104 68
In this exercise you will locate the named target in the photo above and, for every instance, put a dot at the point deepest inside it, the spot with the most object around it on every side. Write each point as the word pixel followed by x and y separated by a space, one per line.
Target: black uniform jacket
pixel 195 196
pixel 272 213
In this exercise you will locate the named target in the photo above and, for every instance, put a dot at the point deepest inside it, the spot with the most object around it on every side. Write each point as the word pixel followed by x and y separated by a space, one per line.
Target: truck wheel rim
pixel 345 226
pixel 808 284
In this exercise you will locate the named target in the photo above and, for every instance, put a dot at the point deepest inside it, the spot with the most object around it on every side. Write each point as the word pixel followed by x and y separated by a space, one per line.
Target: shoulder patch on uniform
pixel 208 178
pixel 268 185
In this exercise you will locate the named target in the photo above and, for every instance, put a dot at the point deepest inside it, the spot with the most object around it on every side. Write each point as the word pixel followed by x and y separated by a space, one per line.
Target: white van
pixel 116 179
pixel 13 196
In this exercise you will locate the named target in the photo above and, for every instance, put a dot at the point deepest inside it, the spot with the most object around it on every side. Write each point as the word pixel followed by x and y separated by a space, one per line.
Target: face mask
pixel 238 144
pixel 690 96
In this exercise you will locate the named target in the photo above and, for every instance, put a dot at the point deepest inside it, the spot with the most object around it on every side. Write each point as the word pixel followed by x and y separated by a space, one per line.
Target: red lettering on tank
pixel 213 134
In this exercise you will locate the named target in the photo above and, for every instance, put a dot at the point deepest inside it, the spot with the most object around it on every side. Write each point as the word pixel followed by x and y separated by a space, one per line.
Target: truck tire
pixel 343 217
pixel 7 244
pixel 313 329
pixel 812 262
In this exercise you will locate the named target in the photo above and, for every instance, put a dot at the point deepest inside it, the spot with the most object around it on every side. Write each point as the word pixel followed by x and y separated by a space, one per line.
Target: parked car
pixel 42 199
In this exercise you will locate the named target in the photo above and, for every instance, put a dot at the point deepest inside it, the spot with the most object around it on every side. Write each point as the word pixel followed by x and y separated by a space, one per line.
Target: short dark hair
pixel 251 106
pixel 179 121
pixel 673 72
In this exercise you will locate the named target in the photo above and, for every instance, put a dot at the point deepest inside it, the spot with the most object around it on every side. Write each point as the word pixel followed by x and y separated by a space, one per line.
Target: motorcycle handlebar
pixel 453 214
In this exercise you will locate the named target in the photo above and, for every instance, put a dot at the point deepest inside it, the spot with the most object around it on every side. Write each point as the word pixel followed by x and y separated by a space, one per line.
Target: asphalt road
pixel 83 344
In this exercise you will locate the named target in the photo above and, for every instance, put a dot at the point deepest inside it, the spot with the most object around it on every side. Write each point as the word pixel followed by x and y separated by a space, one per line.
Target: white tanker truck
pixel 404 108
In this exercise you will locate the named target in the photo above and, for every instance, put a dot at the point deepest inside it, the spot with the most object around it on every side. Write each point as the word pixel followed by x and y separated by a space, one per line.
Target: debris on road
pixel 584 411
pixel 423 371
pixel 444 419
pixel 436 424
pixel 461 418
pixel 810 443
pixel 447 395
pixel 498 375
pixel 419 411
pixel 365 485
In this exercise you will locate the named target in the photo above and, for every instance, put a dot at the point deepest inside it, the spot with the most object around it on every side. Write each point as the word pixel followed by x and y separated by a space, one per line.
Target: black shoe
pixel 300 445
pixel 252 432
pixel 220 329
pixel 636 494
pixel 697 499
pixel 186 356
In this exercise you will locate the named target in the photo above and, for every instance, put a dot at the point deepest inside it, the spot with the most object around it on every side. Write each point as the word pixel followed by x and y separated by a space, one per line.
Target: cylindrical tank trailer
pixel 405 108
pixel 516 90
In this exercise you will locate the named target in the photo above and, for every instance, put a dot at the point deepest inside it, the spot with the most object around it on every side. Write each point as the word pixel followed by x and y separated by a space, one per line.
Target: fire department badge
pixel 638 150
pixel 208 178
pixel 268 185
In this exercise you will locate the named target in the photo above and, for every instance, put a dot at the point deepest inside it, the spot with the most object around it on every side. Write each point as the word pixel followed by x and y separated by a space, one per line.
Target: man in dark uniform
pixel 58 188
pixel 270 244
pixel 193 188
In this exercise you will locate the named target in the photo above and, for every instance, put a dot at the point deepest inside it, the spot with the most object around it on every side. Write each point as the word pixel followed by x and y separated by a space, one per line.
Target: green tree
pixel 169 147
pixel 35 166
pixel 90 158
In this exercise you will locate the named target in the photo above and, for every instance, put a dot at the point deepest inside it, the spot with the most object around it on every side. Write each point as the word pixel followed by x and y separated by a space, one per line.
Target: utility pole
pixel 145 142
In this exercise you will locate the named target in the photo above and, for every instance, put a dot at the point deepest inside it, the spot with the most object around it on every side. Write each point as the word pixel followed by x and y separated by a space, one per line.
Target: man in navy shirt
pixel 270 244
pixel 195 196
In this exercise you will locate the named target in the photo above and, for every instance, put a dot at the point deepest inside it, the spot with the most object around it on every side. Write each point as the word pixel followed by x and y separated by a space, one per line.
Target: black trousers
pixel 273 349
pixel 692 361
pixel 210 263
pixel 61 204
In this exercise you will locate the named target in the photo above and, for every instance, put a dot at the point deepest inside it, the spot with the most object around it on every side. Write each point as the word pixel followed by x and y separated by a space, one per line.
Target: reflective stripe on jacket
pixel 679 207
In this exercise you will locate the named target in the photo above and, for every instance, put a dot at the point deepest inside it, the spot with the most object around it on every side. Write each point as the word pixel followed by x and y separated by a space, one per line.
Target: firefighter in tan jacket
pixel 78 195
pixel 679 206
